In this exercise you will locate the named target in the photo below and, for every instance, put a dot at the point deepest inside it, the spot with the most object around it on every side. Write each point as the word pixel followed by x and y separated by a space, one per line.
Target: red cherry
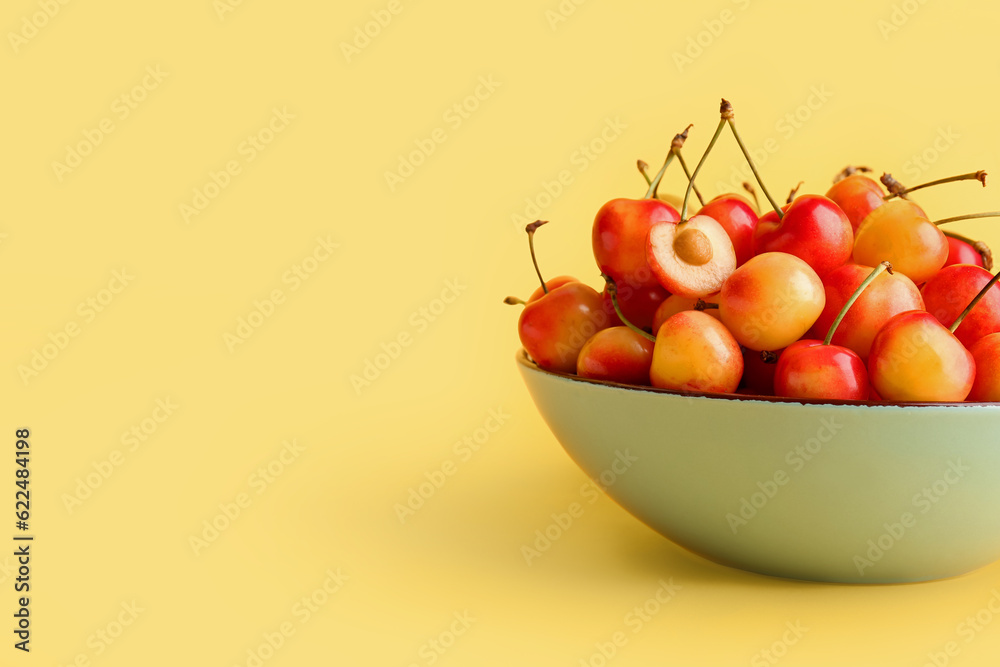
pixel 550 285
pixel 986 353
pixel 752 203
pixel 813 228
pixel 738 218
pixel 619 238
pixel 616 354
pixel 816 369
pixel 771 217
pixel 966 251
pixel 960 252
pixel 983 380
pixel 638 305
pixel 857 196
pixel 888 295
pixel 810 369
pixel 554 328
pixel 951 289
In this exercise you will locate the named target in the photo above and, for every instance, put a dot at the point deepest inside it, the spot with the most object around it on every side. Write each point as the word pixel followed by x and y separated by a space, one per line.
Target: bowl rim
pixel 523 359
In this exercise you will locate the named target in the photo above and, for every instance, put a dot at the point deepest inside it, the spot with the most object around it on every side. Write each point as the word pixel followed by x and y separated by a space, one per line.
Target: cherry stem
pixel 753 193
pixel 690 187
pixel 687 173
pixel 727 115
pixel 791 195
pixel 970 216
pixel 884 266
pixel 531 229
pixel 675 146
pixel 655 183
pixel 972 304
pixel 704 305
pixel 974 175
pixel 953 235
pixel 892 185
pixel 514 301
pixel 979 246
pixel 613 293
pixel 644 170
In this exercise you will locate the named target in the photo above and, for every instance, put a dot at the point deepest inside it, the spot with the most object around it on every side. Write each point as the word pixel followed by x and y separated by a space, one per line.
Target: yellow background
pixel 888 95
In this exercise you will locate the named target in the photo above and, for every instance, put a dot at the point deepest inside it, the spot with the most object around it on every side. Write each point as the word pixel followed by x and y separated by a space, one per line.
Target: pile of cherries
pixel 856 295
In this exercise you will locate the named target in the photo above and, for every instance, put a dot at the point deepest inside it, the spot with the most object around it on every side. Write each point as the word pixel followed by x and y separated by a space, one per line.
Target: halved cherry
pixel 692 258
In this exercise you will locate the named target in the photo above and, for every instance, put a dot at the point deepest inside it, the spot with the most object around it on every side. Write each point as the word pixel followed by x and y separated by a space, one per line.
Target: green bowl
pixel 817 490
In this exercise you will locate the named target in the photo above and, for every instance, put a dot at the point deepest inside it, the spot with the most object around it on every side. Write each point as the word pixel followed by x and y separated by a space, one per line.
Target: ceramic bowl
pixel 821 491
